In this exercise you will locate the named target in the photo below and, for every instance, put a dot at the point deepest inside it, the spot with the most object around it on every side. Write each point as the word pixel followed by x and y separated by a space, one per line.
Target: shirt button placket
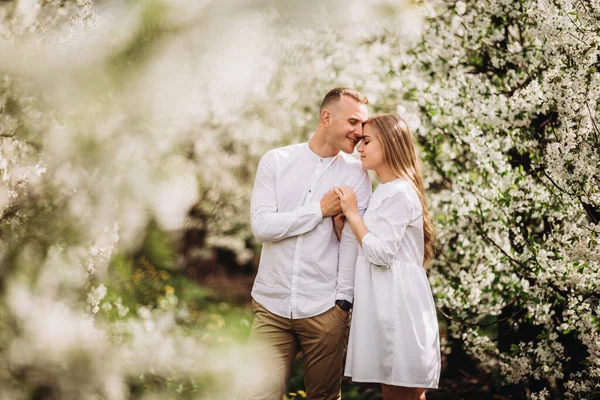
pixel 296 263
pixel 294 299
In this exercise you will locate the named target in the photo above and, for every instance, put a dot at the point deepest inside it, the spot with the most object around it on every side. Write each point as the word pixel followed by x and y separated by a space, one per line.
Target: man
pixel 304 288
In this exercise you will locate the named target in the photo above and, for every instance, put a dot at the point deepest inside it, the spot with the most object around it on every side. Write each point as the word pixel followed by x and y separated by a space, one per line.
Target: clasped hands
pixel 338 203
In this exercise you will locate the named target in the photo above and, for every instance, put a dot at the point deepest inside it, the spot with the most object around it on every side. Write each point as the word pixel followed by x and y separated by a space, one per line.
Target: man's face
pixel 347 117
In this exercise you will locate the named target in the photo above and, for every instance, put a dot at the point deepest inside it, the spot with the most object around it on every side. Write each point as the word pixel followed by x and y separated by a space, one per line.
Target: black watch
pixel 344 304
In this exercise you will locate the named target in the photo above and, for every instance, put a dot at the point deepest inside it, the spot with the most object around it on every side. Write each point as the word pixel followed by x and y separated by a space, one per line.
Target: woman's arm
pixel 358 226
pixel 350 210
pixel 393 217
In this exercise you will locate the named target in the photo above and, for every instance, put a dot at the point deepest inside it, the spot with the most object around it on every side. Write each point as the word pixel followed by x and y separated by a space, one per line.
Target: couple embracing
pixel 331 247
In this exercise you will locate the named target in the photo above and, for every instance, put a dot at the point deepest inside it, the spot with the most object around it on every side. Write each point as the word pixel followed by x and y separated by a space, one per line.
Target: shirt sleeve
pixel 381 243
pixel 348 249
pixel 268 224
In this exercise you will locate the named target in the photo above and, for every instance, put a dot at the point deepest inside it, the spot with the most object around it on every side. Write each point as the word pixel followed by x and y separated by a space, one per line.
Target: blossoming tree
pixel 115 115
pixel 507 95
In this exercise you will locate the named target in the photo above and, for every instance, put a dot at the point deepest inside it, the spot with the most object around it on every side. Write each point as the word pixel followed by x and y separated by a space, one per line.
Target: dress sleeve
pixel 390 221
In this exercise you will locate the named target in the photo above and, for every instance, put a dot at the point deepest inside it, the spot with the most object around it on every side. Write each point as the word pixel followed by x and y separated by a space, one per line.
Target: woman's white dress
pixel 394 335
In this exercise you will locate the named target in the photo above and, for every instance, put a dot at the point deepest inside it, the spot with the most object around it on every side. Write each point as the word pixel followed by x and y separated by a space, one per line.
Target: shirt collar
pixel 315 157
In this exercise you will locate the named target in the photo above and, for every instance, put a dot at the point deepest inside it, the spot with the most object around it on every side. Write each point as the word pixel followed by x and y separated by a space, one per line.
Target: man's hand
pixel 330 204
pixel 338 224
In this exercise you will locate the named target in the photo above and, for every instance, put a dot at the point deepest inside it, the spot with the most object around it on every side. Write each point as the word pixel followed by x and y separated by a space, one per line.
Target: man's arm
pixel 269 225
pixel 348 249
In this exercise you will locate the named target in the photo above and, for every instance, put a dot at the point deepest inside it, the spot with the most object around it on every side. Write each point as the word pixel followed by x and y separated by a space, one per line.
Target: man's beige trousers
pixel 322 340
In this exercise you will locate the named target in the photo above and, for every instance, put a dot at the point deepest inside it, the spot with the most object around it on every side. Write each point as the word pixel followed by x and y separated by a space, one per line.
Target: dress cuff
pixel 367 246
pixel 367 241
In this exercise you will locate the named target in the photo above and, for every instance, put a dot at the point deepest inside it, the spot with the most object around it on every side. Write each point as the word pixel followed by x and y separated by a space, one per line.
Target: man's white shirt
pixel 303 267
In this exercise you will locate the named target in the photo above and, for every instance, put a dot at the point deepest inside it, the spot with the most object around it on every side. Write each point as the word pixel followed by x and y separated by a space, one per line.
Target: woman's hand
pixel 350 209
pixel 347 200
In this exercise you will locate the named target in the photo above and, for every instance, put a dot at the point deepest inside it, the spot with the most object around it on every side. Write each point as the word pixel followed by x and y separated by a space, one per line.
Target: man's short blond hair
pixel 334 95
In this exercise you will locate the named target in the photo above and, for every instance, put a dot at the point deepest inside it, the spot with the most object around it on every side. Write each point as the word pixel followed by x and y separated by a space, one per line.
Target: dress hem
pixel 395 383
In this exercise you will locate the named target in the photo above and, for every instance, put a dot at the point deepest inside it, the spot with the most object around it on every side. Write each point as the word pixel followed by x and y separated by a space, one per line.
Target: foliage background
pixel 129 136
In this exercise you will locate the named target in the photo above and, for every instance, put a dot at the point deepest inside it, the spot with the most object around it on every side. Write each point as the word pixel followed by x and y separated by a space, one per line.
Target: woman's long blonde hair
pixel 400 154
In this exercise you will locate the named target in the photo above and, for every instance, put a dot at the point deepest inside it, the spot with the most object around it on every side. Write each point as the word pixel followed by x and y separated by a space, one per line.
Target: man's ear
pixel 326 118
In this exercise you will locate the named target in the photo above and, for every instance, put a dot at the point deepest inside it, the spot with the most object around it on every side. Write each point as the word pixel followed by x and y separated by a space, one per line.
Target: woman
pixel 394 336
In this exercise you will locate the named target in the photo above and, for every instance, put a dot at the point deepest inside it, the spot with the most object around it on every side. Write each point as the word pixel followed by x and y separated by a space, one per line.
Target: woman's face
pixel 370 149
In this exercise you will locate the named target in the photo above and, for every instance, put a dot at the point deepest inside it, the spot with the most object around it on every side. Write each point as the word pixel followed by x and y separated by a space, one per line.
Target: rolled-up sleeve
pixel 381 244
pixel 269 225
